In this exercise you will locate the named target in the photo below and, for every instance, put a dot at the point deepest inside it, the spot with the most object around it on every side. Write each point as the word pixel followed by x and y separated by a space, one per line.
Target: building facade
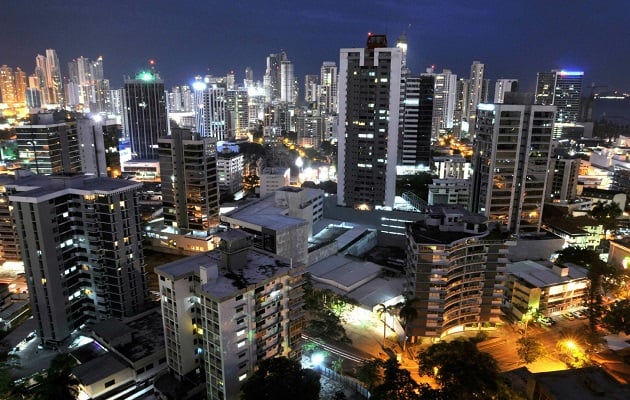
pixel 416 122
pixel 80 239
pixel 226 310
pixel 188 170
pixel 455 270
pixel 369 108
pixel 511 156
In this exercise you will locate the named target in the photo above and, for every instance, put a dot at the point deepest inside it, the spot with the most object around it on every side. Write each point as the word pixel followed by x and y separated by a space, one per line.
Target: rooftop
pixel 541 276
pixel 264 212
pixel 260 266
pixel 98 368
pixel 584 384
pixel 344 272
pixel 78 183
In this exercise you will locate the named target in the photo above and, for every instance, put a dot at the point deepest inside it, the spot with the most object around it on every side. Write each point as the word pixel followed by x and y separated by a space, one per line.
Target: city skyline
pixel 191 38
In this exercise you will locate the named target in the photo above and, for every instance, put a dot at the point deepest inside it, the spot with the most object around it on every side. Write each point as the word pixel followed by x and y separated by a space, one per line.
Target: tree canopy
pixel 281 379
pixel 617 318
pixel 461 370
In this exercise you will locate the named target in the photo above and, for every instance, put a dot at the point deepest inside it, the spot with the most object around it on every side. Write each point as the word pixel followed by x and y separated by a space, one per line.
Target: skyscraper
pixel 369 105
pixel 190 192
pixel 416 118
pixel 310 88
pixel 144 114
pixel 81 245
pixel 237 113
pixel 562 89
pixel 210 109
pixel 53 78
pixel 511 156
pixel 502 86
pixel 327 90
pixel 444 101
pixel 49 144
pixel 20 86
pixel 475 94
pixel 7 85
pixel 273 78
pixel 287 82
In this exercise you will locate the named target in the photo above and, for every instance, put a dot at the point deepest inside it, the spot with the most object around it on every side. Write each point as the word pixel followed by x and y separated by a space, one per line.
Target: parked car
pixel 547 321
pixel 578 314
pixel 569 316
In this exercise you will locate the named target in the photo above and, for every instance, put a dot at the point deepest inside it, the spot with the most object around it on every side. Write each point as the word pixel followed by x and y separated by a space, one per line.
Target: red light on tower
pixel 369 33
pixel 152 62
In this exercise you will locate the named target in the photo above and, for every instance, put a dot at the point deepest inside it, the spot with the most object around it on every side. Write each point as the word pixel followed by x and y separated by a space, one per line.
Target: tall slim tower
pixel 369 107
pixel 81 244
pixel 511 157
pixel 144 114
pixel 190 192
pixel 475 93
pixel 7 85
pixel 444 101
pixel 417 118
pixel 327 96
pixel 53 77
pixel 210 109
pixel 287 82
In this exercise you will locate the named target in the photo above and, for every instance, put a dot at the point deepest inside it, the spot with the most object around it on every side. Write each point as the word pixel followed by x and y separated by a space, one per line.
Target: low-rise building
pixel 549 289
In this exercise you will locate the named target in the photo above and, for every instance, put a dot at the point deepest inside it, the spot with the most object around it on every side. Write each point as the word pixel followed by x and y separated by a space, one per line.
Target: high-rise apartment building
pixel 563 178
pixel 511 156
pixel 416 121
pixel 562 89
pixel 230 165
pixel 444 101
pixel 273 77
pixel 87 87
pixel 7 85
pixel 188 169
pixel 49 73
pixel 369 107
pixel 20 86
pixel 455 271
pixel 49 144
pixel 310 88
pixel 226 310
pixel 237 113
pixel 144 114
pixel 475 94
pixel 210 109
pixel 92 145
pixel 80 239
pixel 327 91
pixel 502 86
pixel 287 82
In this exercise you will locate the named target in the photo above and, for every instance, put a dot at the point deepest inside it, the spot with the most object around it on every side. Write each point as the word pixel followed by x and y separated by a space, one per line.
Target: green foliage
pixel 617 318
pixel 371 373
pixel 606 214
pixel 326 309
pixel 281 379
pixel 462 371
pixel 337 365
pixel 598 272
pixel 58 382
pixel 399 385
pixel 529 349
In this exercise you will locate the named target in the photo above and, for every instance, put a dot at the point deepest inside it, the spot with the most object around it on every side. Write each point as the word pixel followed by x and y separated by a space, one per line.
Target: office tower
pixel 401 43
pixel 210 109
pixel 563 179
pixel 327 90
pixel 562 89
pixel 273 79
pixel 7 85
pixel 237 113
pixel 91 145
pixel 49 144
pixel 81 244
pixel 461 100
pixel 369 105
pixel 511 156
pixel 287 82
pixel 33 98
pixel 416 116
pixel 230 81
pixel 455 271
pixel 475 94
pixel 226 310
pixel 40 73
pixel 188 169
pixel 502 86
pixel 310 88
pixel 144 114
pixel 444 101
pixel 230 171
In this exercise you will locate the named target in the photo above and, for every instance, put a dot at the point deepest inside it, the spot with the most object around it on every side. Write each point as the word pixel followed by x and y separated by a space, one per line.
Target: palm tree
pixel 382 312
pixel 407 312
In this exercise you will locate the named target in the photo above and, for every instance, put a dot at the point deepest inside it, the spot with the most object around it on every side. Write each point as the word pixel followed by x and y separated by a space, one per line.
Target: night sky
pixel 515 39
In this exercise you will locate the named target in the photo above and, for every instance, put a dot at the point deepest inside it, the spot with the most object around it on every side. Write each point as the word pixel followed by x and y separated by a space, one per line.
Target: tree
pixel 325 310
pixel 461 370
pixel 597 271
pixel 399 385
pixel 382 311
pixel 58 382
pixel 281 379
pixel 407 312
pixel 606 214
pixel 371 373
pixel 617 318
pixel 529 349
